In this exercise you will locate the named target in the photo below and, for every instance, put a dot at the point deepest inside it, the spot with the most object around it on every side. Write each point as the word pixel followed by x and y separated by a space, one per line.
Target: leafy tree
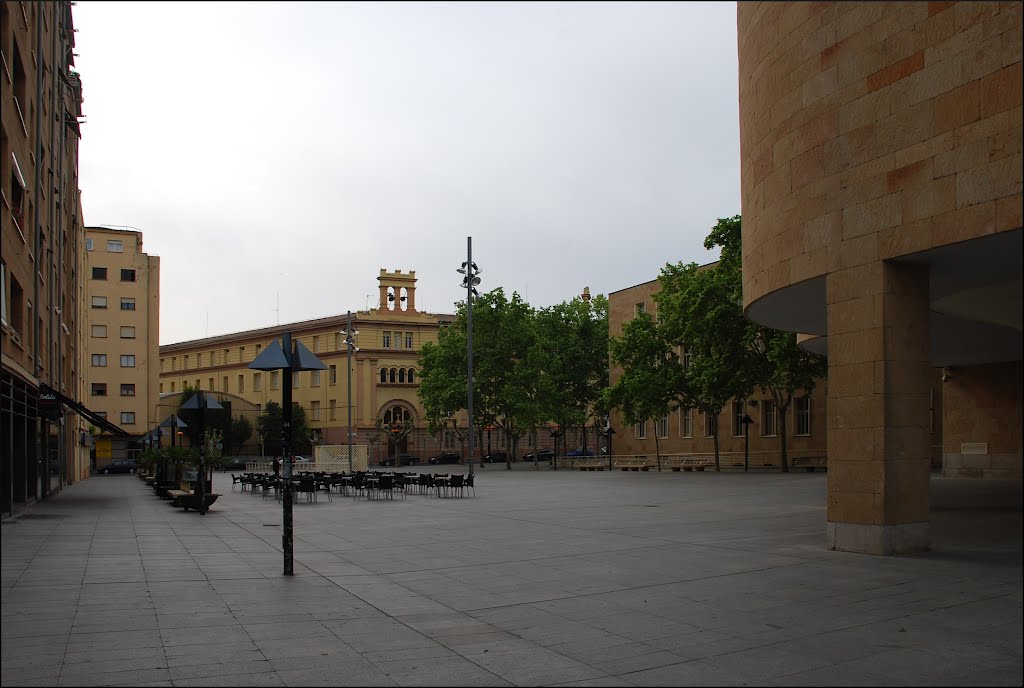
pixel 241 431
pixel 572 361
pixel 646 388
pixel 701 310
pixel 270 424
pixel 780 367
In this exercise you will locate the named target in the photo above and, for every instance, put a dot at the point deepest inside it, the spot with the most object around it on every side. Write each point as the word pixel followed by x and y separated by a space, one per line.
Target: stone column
pixel 878 442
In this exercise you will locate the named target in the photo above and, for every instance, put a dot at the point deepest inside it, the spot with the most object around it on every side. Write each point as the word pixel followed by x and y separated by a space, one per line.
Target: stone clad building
pixel 881 201
pixel 384 369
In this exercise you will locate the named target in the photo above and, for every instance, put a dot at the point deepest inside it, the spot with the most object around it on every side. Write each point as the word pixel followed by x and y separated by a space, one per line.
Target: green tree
pixel 780 367
pixel 270 425
pixel 650 370
pixel 572 361
pixel 701 310
pixel 241 431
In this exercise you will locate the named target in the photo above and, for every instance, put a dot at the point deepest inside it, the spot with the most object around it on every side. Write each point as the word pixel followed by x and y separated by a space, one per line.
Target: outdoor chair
pixel 468 482
pixel 457 482
pixel 236 480
pixel 324 483
pixel 386 485
pixel 308 487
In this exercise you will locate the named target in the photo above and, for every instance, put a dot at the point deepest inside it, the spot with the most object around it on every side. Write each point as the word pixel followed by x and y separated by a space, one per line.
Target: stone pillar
pixel 878 374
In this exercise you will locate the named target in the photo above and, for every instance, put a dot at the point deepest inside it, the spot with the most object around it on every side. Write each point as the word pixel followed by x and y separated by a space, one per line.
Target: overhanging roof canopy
pixel 81 410
pixel 275 358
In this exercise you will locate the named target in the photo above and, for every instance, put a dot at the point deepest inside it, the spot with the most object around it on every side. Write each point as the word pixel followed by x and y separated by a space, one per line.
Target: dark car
pixel 496 457
pixel 400 460
pixel 539 455
pixel 580 452
pixel 119 466
pixel 445 457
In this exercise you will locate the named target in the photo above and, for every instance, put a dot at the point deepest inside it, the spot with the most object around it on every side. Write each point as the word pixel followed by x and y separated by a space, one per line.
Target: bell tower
pixel 397 291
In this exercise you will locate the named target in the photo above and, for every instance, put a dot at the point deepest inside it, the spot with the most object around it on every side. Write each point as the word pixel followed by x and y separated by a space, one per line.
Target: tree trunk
pixel 657 446
pixel 782 435
pixel 718 467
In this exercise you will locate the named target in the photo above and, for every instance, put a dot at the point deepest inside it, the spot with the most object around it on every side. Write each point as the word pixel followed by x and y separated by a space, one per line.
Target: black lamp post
pixel 350 345
pixel 290 356
pixel 201 402
pixel 556 433
pixel 746 420
pixel 606 432
pixel 470 281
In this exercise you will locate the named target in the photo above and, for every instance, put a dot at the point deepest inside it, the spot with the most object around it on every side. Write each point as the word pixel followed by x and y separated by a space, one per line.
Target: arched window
pixel 383 374
pixel 393 375
pixel 411 373
pixel 401 375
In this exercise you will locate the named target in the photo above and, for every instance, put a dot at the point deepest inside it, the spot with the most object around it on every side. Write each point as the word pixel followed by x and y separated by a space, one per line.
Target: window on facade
pixel 127 360
pixel 88 244
pixel 275 380
pixel 641 430
pixel 257 382
pixel 401 375
pixel 99 302
pixel 392 375
pixel 127 303
pixel 686 422
pixel 383 374
pixel 710 425
pixel 127 390
pixel 209 386
pixel 127 275
pixel 226 356
pixel 99 360
pixel 241 383
pixel 387 340
pixel 99 273
pixel 224 382
pixel 127 332
pixel 449 439
pixel 99 331
pixel 99 389
pixel 295 379
pixel 802 411
pixel 685 358
pixel 172 387
pixel 332 406
pixel 411 373
pixel 184 362
pixel 316 345
pixel 114 246
pixel 768 418
pixel 639 308
pixel 408 340
pixel 737 418
pixel 161 388
pixel 314 410
pixel 333 377
pixel 127 418
pixel 314 378
pixel 661 427
pixel 339 341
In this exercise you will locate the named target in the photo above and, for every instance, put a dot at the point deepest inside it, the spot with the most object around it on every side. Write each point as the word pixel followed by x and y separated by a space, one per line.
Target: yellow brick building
pixel 384 369
pixel 121 324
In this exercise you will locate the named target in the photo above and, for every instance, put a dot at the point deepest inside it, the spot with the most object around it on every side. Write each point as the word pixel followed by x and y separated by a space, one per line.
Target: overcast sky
pixel 282 153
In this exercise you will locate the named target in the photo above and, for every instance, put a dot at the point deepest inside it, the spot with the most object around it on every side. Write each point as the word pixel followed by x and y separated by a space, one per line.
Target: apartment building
pixel 881 192
pixel 121 321
pixel 383 377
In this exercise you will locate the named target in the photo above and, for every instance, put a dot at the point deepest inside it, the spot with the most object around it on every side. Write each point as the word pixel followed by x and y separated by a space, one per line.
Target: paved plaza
pixel 544 578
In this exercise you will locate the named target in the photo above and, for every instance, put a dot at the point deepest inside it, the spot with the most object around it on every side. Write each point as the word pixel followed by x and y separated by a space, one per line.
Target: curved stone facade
pixel 881 191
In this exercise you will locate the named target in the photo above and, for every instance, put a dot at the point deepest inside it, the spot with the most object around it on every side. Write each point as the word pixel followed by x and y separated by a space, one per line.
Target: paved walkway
pixel 567 578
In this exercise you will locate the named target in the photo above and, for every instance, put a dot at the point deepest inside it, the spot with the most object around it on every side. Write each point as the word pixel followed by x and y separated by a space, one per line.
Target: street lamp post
pixel 471 279
pixel 350 345
pixel 200 402
pixel 289 356
pixel 556 433
pixel 607 431
pixel 746 420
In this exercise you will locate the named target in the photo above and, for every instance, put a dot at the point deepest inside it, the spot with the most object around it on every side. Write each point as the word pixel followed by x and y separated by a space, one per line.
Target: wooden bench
pixel 809 463
pixel 691 464
pixel 634 465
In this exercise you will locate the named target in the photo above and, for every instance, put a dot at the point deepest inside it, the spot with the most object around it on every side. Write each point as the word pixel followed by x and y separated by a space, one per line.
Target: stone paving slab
pixel 544 578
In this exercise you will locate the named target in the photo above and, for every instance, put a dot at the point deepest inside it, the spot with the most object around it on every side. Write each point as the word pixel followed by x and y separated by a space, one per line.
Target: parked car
pixel 580 452
pixel 445 457
pixel 119 466
pixel 400 460
pixel 496 457
pixel 539 455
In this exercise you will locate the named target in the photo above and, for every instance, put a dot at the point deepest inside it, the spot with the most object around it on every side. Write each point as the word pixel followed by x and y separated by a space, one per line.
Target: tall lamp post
pixel 200 402
pixel 556 433
pixel 289 356
pixel 350 345
pixel 471 279
pixel 606 432
pixel 746 420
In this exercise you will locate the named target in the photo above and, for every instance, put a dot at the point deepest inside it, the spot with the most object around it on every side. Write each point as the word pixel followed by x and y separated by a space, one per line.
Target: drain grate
pixel 270 525
pixel 39 517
